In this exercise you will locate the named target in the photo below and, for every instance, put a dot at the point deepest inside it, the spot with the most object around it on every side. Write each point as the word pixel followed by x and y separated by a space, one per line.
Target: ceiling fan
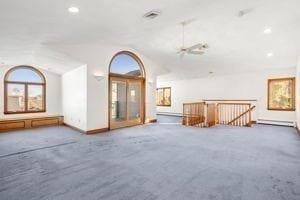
pixel 196 49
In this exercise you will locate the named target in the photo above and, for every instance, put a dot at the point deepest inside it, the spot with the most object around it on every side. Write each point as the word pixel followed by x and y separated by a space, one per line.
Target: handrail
pixel 201 102
pixel 238 117
pixel 220 100
pixel 246 104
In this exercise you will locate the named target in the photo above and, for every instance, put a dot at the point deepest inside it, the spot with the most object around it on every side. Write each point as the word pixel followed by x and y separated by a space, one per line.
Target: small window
pixel 126 64
pixel 281 94
pixel 163 96
pixel 24 90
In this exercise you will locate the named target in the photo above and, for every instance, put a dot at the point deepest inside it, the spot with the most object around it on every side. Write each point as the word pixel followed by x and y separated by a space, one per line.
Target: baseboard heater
pixel 170 114
pixel 276 122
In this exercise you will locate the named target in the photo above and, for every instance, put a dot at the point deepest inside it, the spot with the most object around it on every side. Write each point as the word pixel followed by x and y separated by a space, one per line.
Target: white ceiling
pixel 236 44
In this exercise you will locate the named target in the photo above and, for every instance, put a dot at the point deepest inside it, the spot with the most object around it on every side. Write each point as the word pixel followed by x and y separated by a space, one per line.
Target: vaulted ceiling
pixel 236 43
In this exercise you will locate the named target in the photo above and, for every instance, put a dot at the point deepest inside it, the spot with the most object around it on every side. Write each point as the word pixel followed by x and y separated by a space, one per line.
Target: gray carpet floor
pixel 154 161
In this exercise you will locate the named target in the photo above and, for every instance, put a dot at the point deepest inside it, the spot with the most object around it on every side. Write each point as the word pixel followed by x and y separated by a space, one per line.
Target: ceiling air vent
pixel 152 14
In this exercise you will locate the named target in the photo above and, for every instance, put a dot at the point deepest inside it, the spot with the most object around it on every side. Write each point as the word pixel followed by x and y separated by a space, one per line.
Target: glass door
pixel 126 108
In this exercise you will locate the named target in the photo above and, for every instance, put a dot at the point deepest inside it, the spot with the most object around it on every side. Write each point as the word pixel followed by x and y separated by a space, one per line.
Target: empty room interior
pixel 150 100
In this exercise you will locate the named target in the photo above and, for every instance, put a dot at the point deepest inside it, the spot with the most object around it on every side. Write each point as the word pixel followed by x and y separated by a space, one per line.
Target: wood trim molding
pixel 90 132
pixel 134 56
pixel 152 121
pixel 127 78
pixel 30 122
pixel 96 131
pixel 230 100
pixel 298 130
pixel 75 128
pixel 163 89
pixel 293 79
pixel 26 85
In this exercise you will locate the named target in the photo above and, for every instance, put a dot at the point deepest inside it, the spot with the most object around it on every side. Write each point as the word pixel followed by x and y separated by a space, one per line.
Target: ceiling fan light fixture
pixel 196 49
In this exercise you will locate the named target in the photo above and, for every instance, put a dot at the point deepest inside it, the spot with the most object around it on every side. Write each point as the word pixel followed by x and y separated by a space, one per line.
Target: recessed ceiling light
pixel 267 31
pixel 269 54
pixel 73 9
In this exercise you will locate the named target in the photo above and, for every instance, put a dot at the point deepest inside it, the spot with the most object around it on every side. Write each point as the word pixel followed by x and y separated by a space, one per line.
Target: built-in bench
pixel 10 124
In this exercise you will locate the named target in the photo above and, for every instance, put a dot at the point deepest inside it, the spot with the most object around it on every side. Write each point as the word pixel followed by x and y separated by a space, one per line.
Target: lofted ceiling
pixel 236 43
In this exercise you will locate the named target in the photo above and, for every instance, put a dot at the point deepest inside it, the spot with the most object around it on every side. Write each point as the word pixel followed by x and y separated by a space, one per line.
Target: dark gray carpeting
pixel 154 161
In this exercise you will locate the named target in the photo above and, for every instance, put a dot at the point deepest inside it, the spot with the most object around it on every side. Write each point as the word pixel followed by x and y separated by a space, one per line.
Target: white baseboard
pixel 170 114
pixel 275 122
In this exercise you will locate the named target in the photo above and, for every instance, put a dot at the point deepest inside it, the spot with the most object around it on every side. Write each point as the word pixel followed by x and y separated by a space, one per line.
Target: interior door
pixel 127 103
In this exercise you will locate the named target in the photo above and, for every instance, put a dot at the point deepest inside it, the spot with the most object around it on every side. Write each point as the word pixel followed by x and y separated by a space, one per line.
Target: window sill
pixel 278 109
pixel 28 112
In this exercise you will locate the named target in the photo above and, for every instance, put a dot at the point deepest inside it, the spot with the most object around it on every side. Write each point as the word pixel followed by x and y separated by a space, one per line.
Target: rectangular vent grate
pixel 152 14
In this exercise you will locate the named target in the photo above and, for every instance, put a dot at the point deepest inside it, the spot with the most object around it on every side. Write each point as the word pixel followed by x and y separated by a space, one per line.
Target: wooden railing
pixel 211 114
pixel 203 114
pixel 245 118
pixel 237 114
pixel 193 114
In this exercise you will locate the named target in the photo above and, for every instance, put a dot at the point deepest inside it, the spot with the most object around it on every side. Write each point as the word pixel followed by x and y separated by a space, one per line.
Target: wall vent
pixel 152 14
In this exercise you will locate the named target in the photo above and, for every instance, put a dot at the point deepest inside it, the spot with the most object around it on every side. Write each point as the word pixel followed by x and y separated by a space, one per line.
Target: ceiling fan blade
pixel 196 46
pixel 196 52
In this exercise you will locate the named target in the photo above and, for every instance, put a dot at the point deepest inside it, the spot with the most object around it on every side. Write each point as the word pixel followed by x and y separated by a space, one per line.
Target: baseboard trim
pixel 152 121
pixel 90 132
pixel 276 122
pixel 170 114
pixel 298 130
pixel 75 128
pixel 96 131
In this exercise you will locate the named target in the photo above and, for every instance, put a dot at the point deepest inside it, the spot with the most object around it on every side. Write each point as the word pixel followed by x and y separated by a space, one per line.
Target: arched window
pixel 24 90
pixel 127 64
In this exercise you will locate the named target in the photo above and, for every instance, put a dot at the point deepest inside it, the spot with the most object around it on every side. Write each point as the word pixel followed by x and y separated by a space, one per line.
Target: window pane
pixel 134 100
pixel 24 75
pixel 119 101
pixel 125 64
pixel 163 97
pixel 281 94
pixel 15 97
pixel 35 98
pixel 160 97
pixel 167 96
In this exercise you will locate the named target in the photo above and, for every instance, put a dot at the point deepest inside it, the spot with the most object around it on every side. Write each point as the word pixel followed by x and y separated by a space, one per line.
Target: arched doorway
pixel 126 90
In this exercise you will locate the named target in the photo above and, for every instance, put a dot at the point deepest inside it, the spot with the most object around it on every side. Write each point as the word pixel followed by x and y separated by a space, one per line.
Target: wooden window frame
pixel 25 84
pixel 128 78
pixel 164 88
pixel 135 57
pixel 293 79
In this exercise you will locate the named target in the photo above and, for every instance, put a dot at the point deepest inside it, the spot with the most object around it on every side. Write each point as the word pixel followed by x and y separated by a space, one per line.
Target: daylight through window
pixel 163 96
pixel 24 90
pixel 281 94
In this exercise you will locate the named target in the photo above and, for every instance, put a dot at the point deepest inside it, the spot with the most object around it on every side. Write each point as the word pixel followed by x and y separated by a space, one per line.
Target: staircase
pixel 203 114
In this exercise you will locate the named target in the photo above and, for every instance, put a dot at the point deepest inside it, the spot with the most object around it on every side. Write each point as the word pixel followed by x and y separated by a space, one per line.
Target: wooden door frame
pixel 143 97
pixel 143 85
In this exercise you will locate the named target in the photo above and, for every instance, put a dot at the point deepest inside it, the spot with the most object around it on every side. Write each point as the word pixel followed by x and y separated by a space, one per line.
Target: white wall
pixel 98 91
pixel 238 86
pixel 97 58
pixel 74 97
pixel 53 95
